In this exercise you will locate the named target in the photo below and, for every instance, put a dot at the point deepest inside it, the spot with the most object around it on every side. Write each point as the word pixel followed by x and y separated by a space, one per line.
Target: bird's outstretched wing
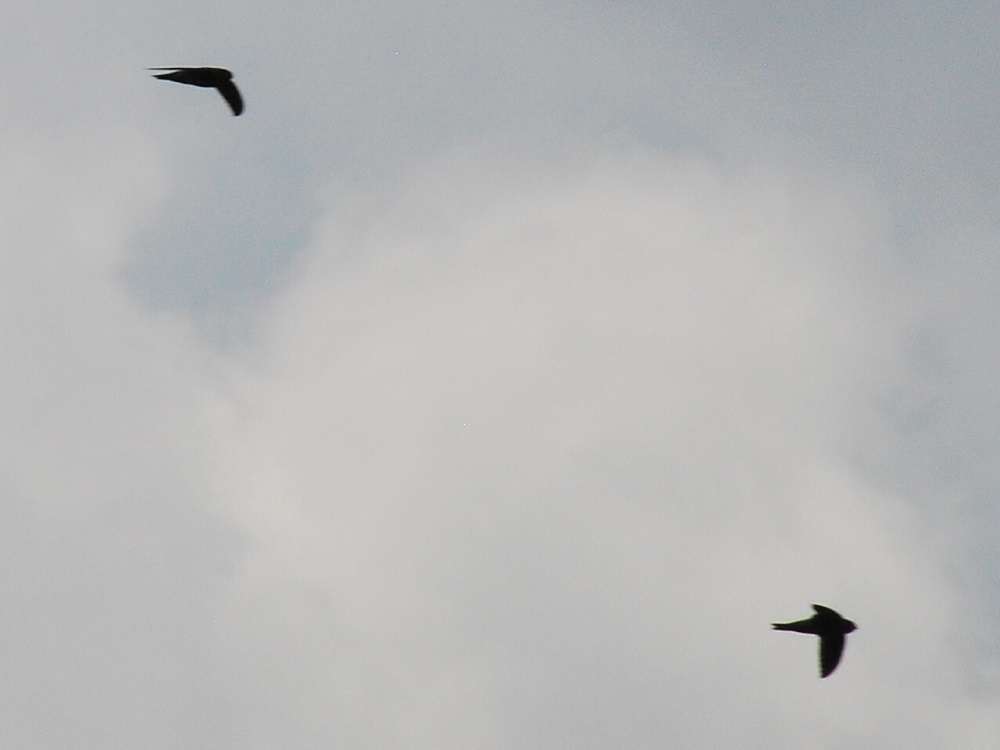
pixel 232 96
pixel 831 647
pixel 799 626
pixel 821 610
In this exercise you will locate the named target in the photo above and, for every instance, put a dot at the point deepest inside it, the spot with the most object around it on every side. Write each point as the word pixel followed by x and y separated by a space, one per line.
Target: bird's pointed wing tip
pixel 831 648
pixel 232 96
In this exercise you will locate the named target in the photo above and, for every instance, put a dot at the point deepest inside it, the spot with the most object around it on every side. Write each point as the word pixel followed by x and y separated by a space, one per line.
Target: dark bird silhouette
pixel 214 78
pixel 832 630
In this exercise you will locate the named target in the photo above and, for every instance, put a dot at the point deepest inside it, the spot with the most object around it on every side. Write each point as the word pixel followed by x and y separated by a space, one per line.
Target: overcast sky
pixel 499 376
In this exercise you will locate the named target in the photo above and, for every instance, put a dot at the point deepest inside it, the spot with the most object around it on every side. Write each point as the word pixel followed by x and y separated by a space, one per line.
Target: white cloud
pixel 529 450
pixel 535 452
pixel 113 559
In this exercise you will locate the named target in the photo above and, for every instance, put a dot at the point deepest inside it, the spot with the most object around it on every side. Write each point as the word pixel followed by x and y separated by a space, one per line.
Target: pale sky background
pixel 499 376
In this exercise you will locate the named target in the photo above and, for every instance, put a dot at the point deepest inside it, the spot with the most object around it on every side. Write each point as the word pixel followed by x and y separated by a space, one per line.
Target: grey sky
pixel 499 375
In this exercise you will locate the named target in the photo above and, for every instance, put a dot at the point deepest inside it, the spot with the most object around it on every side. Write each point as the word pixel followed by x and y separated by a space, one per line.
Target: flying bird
pixel 832 630
pixel 214 78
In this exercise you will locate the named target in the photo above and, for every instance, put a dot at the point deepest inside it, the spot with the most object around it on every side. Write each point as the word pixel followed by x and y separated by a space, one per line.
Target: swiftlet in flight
pixel 215 78
pixel 832 630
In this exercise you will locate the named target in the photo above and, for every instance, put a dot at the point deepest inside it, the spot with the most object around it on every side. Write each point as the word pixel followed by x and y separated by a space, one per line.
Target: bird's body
pixel 832 630
pixel 216 78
